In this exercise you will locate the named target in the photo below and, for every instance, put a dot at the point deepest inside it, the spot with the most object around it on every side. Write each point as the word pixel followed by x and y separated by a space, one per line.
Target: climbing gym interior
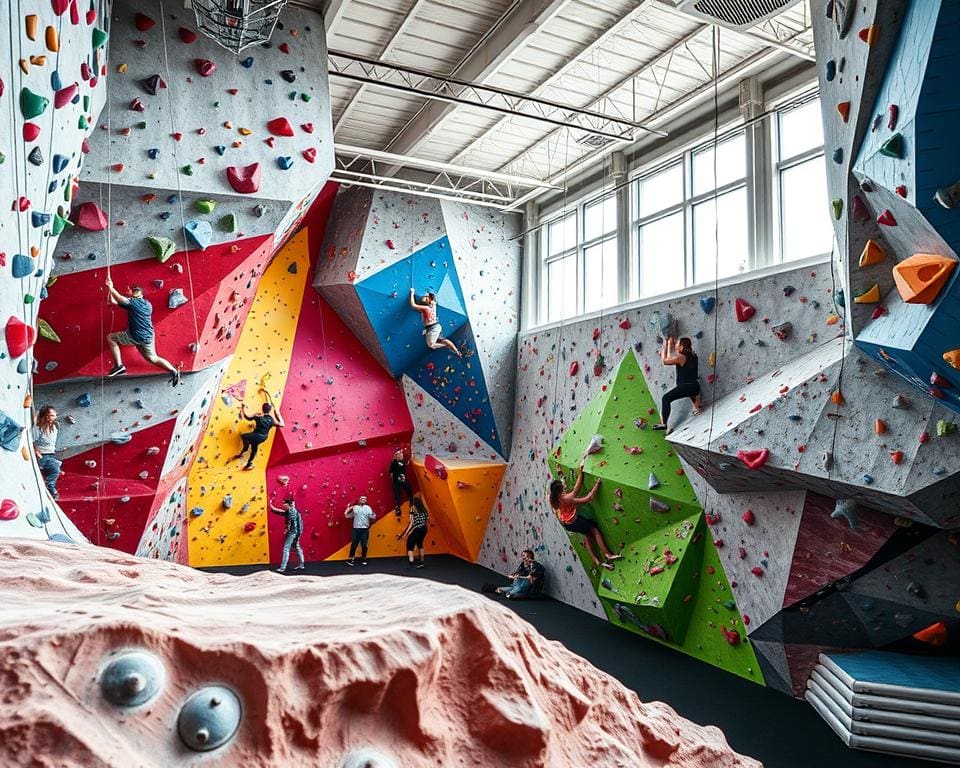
pixel 480 383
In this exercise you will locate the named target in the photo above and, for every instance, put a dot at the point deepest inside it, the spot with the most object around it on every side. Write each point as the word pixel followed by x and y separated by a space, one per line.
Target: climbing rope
pixel 715 66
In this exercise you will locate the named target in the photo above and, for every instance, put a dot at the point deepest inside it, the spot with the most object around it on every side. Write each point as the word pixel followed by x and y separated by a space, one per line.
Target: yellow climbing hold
pixel 712 359
pixel 30 22
pixel 245 131
pixel 873 253
pixel 952 358
pixel 121 69
pixel 869 296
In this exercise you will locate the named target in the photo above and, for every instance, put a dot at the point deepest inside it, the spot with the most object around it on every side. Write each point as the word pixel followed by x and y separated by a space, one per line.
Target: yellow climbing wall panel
pixel 461 504
pixel 383 538
pixel 238 535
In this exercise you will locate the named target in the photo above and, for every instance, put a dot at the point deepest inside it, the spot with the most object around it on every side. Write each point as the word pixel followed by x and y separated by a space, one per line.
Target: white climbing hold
pixel 595 445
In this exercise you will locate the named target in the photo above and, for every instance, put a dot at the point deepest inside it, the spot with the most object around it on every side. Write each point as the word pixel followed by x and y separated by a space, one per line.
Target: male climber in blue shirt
pixel 139 332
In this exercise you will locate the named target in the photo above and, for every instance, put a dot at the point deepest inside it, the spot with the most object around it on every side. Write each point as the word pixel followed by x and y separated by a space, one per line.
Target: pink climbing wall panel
pixel 218 285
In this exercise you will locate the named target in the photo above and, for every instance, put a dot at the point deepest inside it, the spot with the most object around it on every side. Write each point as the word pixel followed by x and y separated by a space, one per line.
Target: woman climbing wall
pixel 431 325
pixel 688 377
pixel 565 504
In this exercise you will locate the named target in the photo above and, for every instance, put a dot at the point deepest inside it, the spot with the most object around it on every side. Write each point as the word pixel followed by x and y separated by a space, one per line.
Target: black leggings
pixel 402 488
pixel 360 538
pixel 679 392
pixel 416 537
pixel 252 441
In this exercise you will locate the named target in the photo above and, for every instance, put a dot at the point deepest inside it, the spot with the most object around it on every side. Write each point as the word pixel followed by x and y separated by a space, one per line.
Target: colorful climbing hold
pixel 869 296
pixel 893 147
pixel 204 67
pixel 89 216
pixel 754 459
pixel 32 104
pixel 280 126
pixel 837 206
pixel 163 248
pixel 19 337
pixel 873 253
pixel 186 35
pixel 887 219
pixel 844 109
pixel 744 310
pixel 921 277
pixel 868 34
pixel 205 206
pixel 285 163
pixel 244 180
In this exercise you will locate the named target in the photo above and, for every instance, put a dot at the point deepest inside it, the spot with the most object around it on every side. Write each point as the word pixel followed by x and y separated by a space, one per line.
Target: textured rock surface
pixel 323 668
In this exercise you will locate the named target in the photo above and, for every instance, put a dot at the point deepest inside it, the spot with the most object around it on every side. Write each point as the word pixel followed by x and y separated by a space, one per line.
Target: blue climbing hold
pixel 841 298
pixel 292 269
pixel 39 219
pixel 220 149
pixel 55 83
pixel 165 215
pixel 846 509
pixel 196 511
pixel 200 233
pixel 9 433
pixel 60 162
pixel 838 155
pixel 247 62
pixel 171 199
pixel 153 153
pixel 84 400
pixel 285 163
pixel 22 265
pixel 707 303
pixel 794 417
pixel 867 479
pixel 51 187
pixel 831 70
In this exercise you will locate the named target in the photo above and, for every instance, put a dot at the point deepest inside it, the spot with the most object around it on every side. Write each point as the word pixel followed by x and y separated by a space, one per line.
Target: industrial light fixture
pixel 237 24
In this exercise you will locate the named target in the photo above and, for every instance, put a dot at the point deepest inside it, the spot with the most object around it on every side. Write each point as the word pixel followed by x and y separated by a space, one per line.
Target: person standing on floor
pixel 416 530
pixel 139 332
pixel 45 435
pixel 398 477
pixel 688 377
pixel 292 532
pixel 362 516
pixel 268 418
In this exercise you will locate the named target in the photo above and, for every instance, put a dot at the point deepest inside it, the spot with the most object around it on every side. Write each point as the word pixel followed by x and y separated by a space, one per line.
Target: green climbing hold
pixel 893 147
pixel 837 206
pixel 60 224
pixel 86 103
pixel 2 158
pixel 292 95
pixel 163 247
pixel 44 329
pixel 142 125
pixel 82 123
pixel 187 170
pixel 99 38
pixel 205 206
pixel 34 520
pixel 945 427
pixel 305 97
pixel 32 104
pixel 28 298
pixel 228 223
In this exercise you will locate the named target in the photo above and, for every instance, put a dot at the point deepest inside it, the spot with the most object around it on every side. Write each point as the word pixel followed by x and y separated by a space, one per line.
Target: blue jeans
pixel 520 588
pixel 292 540
pixel 50 469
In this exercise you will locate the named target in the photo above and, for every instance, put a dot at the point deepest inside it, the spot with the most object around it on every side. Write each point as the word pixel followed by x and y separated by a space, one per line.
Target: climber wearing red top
pixel 688 377
pixel 565 504
pixel 431 326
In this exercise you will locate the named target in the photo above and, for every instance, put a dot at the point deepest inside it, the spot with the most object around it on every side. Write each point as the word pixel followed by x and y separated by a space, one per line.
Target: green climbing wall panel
pixel 670 584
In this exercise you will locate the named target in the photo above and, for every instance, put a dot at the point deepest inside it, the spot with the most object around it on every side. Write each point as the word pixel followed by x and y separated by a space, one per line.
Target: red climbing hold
pixel 306 127
pixel 887 219
pixel 284 47
pixel 244 180
pixel 280 126
pixel 204 67
pixel 65 95
pixel 626 324
pixel 860 213
pixel 310 154
pixel 60 6
pixel 574 367
pixel 757 571
pixel 390 245
pixel 935 635
pixel 893 113
pixel 754 459
pixel 90 216
pixel 748 517
pixel 9 509
pixel 731 635
pixel 896 456
pixel 186 35
pixel 249 527
pixel 744 311
pixel 432 464
pixel 901 190
pixel 143 22
pixel 938 381
pixel 19 336
pixel 30 131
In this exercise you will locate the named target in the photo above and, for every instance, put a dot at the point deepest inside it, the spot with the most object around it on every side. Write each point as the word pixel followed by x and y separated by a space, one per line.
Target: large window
pixel 754 198
pixel 804 221
pixel 581 260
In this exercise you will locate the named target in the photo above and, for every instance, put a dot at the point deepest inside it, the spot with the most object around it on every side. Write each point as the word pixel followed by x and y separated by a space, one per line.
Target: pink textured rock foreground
pixel 367 670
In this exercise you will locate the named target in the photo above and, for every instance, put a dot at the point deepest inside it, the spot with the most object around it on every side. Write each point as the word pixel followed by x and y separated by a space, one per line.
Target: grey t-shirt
pixel 362 516
pixel 45 441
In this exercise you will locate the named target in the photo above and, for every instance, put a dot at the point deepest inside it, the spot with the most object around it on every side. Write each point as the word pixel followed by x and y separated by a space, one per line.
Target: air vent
pixel 593 141
pixel 734 14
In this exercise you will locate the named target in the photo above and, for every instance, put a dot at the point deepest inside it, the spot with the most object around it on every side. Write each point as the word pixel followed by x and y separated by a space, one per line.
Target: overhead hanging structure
pixel 237 24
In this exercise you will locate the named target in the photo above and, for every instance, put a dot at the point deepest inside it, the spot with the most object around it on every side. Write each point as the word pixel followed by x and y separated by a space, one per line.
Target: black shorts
pixel 415 538
pixel 581 524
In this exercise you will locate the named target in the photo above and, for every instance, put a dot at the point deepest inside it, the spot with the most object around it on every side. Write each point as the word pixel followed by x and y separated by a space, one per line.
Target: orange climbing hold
pixel 52 39
pixel 873 253
pixel 880 426
pixel 920 278
pixel 837 397
pixel 869 296
pixel 952 358
pixel 844 109
pixel 868 34
pixel 935 634
pixel 30 22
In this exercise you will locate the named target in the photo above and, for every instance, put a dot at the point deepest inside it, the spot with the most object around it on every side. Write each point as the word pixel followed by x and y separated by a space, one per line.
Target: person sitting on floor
pixel 565 504
pixel 528 578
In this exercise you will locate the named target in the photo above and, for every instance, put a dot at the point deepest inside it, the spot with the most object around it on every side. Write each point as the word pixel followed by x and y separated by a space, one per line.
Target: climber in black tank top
pixel 688 377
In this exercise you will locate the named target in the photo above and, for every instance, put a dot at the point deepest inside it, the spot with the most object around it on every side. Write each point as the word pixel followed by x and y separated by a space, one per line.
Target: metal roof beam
pixel 332 13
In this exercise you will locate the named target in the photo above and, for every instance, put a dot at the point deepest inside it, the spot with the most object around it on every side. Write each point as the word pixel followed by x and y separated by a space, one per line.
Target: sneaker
pixel 299 567
pixel 608 565
pixel 421 564
pixel 175 378
pixel 248 467
pixel 117 370
pixel 660 427
pixel 351 562
pixel 363 562
pixel 281 570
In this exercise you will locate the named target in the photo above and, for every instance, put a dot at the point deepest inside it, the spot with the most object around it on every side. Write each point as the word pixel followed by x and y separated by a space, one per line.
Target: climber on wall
pixel 45 434
pixel 431 326
pixel 292 531
pixel 139 332
pixel 398 477
pixel 268 418
pixel 416 530
pixel 362 516
pixel 688 377
pixel 565 504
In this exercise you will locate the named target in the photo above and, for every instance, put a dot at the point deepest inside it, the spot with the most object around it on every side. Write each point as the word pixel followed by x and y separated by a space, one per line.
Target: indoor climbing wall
pixel 52 85
pixel 381 244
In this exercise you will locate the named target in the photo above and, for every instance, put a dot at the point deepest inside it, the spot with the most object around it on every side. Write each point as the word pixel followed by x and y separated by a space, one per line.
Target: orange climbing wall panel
pixel 461 504
pixel 218 536
pixel 384 542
